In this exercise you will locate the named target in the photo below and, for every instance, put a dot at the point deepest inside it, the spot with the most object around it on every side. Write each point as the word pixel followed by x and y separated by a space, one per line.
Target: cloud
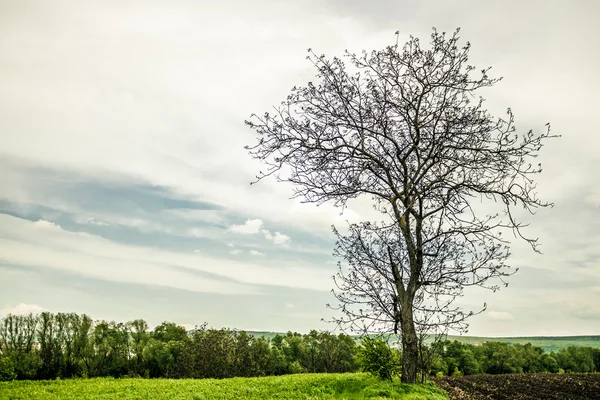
pixel 45 244
pixel 142 120
pixel 255 226
pixel 250 227
pixel 593 197
pixel 45 225
pixel 215 217
pixel 500 316
pixel 587 313
pixel 21 309
pixel 91 221
pixel 235 251
pixel 256 253
pixel 277 237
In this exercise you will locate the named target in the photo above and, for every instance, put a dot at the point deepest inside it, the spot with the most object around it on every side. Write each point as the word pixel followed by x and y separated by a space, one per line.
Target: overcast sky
pixel 124 185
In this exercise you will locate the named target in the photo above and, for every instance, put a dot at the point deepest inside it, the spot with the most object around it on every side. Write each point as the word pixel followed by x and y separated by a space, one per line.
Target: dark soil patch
pixel 522 387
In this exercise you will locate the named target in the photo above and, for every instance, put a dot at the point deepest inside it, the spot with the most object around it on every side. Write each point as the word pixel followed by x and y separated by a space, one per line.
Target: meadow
pixel 349 386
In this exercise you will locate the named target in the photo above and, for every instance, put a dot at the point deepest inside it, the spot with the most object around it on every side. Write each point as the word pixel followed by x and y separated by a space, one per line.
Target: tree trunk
pixel 410 346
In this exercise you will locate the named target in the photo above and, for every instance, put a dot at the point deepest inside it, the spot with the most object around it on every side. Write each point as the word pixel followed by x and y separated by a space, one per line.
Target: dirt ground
pixel 522 387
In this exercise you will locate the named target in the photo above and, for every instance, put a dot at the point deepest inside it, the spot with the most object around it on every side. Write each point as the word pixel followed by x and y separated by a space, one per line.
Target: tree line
pixel 455 358
pixel 68 345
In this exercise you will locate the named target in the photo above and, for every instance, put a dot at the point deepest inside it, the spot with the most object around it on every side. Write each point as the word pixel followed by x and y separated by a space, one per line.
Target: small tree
pixel 378 358
pixel 404 126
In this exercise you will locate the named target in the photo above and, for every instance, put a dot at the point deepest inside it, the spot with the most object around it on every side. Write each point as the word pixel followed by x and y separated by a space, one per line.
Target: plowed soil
pixel 522 387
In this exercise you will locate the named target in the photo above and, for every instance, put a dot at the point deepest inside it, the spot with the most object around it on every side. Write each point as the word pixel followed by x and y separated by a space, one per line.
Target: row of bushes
pixel 48 346
pixel 62 345
pixel 455 358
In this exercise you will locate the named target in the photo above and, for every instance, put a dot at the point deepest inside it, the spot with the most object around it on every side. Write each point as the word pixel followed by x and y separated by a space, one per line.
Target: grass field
pixel 548 343
pixel 289 387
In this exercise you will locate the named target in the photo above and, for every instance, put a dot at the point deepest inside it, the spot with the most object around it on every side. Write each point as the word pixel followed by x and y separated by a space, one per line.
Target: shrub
pixel 7 369
pixel 376 357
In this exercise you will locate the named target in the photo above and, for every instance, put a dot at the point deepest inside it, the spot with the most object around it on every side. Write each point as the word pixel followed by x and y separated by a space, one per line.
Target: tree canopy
pixel 405 126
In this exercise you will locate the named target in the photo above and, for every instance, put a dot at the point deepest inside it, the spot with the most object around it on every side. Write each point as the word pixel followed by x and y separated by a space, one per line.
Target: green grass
pixel 289 387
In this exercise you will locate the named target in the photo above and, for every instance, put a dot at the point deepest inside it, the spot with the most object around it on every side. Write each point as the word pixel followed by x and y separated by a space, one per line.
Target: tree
pixel 49 349
pixel 17 341
pixel 139 338
pixel 378 358
pixel 403 126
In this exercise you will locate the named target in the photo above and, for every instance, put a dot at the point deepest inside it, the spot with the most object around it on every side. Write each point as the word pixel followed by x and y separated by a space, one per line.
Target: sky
pixel 124 184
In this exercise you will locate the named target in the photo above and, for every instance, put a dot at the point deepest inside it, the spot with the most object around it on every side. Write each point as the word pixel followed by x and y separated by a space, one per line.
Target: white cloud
pixel 277 237
pixel 235 251
pixel 256 253
pixel 198 232
pixel 91 221
pixel 44 244
pixel 255 226
pixel 500 316
pixel 21 309
pixel 47 225
pixel 210 216
pixel 250 227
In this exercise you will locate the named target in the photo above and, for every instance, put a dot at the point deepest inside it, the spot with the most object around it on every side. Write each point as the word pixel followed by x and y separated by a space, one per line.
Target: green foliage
pixel 378 358
pixel 577 359
pixel 27 365
pixel 290 387
pixel 158 358
pixel 169 331
pixel 50 346
pixel 548 343
pixel 7 369
pixel 549 363
pixel 503 358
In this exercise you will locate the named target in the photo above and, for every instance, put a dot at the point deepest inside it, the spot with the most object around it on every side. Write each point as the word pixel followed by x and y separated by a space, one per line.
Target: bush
pixel 7 369
pixel 376 357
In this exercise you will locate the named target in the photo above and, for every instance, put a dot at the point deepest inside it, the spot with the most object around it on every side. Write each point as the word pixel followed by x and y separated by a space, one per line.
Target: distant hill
pixel 548 343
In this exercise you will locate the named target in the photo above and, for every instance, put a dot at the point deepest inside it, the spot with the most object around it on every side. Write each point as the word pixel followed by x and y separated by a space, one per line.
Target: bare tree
pixel 404 126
